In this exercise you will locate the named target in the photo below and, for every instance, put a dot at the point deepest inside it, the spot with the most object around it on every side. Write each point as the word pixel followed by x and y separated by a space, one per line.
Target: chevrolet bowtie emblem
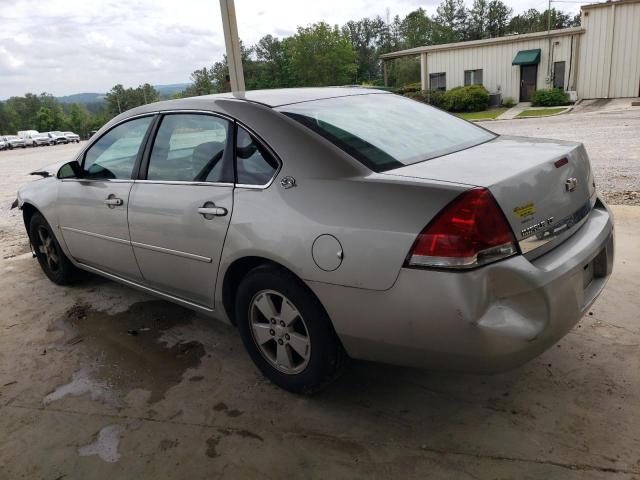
pixel 571 184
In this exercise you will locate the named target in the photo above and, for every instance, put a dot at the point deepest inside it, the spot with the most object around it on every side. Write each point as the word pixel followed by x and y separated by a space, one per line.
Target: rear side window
pixel 385 131
pixel 114 154
pixel 254 164
pixel 189 148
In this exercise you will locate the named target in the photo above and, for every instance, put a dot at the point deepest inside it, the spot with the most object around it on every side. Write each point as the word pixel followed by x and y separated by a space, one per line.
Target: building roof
pixel 607 4
pixel 487 41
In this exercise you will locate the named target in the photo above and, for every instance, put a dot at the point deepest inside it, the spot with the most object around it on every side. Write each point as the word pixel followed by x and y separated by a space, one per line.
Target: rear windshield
pixel 385 131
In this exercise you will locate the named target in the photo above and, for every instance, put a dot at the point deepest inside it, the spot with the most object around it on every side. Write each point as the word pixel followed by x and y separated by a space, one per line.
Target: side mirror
pixel 71 170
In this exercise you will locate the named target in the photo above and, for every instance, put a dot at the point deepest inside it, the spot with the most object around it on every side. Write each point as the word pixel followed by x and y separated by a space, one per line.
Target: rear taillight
pixel 469 232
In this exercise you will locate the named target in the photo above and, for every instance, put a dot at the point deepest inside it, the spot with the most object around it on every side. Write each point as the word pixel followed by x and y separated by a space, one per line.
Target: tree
pixel 321 55
pixel 477 17
pixel 498 19
pixel 366 36
pixel 44 121
pixel 452 15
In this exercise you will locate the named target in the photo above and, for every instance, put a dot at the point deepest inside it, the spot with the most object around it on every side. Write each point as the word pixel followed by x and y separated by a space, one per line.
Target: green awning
pixel 527 57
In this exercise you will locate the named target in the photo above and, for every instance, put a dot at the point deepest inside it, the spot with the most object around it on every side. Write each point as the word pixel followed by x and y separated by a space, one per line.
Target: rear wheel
pixel 287 332
pixel 51 258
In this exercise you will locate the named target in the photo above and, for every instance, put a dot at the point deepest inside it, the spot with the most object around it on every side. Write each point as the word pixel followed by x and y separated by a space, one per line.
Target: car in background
pixel 14 141
pixel 27 135
pixel 42 139
pixel 58 137
pixel 72 137
pixel 3 145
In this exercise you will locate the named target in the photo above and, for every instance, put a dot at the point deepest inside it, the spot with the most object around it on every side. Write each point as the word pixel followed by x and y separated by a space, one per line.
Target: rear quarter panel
pixel 375 217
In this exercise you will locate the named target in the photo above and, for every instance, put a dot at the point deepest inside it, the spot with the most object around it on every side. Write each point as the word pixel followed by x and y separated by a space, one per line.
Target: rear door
pixel 93 210
pixel 180 208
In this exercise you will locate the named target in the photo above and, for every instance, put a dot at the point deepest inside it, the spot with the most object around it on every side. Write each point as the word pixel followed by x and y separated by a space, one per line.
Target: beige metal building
pixel 599 59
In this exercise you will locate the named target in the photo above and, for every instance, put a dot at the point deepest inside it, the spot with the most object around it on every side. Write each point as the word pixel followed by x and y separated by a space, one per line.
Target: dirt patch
pixel 124 351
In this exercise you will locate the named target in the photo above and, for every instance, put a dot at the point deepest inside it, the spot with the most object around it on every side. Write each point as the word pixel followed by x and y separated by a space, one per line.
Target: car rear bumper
pixel 487 320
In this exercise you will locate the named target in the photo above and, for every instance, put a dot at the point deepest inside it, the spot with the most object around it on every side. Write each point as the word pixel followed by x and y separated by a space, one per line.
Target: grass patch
pixel 484 115
pixel 542 112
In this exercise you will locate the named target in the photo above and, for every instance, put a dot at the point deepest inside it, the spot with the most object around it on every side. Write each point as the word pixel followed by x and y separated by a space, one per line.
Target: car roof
pixel 269 98
pixel 285 96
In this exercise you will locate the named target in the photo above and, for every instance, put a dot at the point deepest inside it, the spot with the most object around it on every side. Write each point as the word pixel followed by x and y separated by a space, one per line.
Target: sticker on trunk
pixel 525 210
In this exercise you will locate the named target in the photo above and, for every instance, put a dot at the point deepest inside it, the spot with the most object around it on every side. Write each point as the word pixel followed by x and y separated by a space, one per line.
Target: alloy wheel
pixel 280 332
pixel 47 249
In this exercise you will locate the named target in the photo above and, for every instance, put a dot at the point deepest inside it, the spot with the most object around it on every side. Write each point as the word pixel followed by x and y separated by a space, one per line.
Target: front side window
pixel 385 131
pixel 254 164
pixel 190 148
pixel 438 81
pixel 114 155
pixel 472 77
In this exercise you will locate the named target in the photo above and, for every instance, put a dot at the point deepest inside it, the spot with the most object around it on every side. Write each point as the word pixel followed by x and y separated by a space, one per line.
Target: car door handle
pixel 210 212
pixel 113 202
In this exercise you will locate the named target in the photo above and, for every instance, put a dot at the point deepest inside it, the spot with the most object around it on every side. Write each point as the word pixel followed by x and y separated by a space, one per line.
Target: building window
pixel 437 81
pixel 558 75
pixel 472 77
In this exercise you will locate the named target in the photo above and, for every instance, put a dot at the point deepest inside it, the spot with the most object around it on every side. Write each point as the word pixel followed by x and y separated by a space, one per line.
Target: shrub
pixel 549 97
pixel 432 97
pixel 472 98
pixel 409 88
pixel 508 102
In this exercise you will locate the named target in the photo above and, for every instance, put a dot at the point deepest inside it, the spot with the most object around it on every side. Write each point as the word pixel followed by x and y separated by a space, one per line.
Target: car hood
pixel 49 170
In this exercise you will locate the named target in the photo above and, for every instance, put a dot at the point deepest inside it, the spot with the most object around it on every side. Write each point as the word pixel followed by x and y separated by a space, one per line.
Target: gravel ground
pixel 612 139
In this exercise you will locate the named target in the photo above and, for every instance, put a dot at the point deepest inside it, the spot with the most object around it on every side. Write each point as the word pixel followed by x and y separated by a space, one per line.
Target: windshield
pixel 386 131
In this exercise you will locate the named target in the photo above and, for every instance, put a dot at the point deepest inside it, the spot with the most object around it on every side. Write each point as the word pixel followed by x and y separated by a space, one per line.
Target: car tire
pixel 305 370
pixel 51 258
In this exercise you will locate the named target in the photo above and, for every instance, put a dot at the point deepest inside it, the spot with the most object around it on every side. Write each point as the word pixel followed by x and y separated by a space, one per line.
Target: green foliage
pixel 549 97
pixel 409 88
pixel 473 98
pixel 120 99
pixel 321 55
pixel 508 102
pixel 432 97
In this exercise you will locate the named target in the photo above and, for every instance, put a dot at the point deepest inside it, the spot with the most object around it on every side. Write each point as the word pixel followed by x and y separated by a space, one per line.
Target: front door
pixel 93 209
pixel 528 79
pixel 179 210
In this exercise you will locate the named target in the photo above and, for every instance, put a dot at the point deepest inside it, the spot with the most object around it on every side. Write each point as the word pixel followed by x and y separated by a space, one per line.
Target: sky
pixel 73 46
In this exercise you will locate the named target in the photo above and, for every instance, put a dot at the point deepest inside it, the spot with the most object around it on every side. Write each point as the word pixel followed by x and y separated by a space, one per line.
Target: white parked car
pixel 57 137
pixel 72 137
pixel 42 139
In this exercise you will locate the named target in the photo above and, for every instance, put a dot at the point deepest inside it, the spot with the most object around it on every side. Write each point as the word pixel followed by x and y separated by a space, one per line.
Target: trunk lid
pixel 543 197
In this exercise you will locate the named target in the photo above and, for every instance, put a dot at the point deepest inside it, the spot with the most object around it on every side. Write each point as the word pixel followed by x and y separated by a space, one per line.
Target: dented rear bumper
pixel 486 320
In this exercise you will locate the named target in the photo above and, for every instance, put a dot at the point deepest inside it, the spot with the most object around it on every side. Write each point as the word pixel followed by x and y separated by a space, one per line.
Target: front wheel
pixel 52 260
pixel 286 331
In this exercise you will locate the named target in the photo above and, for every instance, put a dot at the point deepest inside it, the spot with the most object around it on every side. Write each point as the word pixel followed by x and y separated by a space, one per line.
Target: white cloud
pixel 79 46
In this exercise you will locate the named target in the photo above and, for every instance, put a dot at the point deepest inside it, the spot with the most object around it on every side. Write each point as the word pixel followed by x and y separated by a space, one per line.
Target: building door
pixel 528 76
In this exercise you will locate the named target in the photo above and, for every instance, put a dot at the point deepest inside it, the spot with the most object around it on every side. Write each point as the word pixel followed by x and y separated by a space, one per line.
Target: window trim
pixel 83 154
pixel 141 175
pixel 262 143
pixel 472 77
pixel 442 74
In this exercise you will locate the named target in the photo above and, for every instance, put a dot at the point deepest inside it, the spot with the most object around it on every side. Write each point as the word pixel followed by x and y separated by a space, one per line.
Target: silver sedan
pixel 329 223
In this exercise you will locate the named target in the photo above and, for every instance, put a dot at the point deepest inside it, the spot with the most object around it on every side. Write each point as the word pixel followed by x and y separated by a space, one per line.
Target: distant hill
pixel 168 90
pixel 165 92
pixel 82 98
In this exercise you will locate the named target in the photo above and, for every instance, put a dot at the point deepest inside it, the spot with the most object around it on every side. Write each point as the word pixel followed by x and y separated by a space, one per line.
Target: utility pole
pixel 549 74
pixel 232 43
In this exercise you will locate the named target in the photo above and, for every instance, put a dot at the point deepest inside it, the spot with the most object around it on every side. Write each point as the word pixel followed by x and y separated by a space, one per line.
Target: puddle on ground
pixel 126 351
pixel 105 445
